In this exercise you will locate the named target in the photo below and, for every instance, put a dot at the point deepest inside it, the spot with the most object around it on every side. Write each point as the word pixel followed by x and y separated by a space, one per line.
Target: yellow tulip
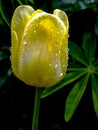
pixel 39 46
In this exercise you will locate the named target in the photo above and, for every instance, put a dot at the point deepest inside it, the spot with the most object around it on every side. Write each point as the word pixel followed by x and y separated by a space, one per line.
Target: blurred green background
pixel 17 99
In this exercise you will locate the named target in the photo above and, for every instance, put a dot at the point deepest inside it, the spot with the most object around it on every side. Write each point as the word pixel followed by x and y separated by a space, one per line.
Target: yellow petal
pixel 20 18
pixel 63 16
pixel 18 23
pixel 14 51
pixel 43 52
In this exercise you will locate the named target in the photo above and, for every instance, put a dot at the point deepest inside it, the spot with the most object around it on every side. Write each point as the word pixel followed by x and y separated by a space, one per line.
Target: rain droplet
pixel 10 58
pixel 25 41
pixel 58 52
pixel 24 33
pixel 66 50
pixel 56 65
pixel 64 65
pixel 34 31
pixel 50 64
pixel 67 58
pixel 61 31
pixel 60 74
pixel 67 65
pixel 10 48
pixel 51 30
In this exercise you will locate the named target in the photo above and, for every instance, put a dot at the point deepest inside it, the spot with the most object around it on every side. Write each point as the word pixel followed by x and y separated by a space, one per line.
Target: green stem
pixel 36 109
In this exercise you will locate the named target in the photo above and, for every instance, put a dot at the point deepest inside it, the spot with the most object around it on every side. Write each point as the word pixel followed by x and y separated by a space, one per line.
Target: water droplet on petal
pixel 61 31
pixel 34 31
pixel 56 65
pixel 60 74
pixel 66 50
pixel 58 52
pixel 10 58
pixel 64 65
pixel 50 64
pixel 67 58
pixel 25 42
pixel 51 30
pixel 37 24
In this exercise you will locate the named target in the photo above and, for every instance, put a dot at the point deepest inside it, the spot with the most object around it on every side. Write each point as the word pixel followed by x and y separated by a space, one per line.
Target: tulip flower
pixel 39 46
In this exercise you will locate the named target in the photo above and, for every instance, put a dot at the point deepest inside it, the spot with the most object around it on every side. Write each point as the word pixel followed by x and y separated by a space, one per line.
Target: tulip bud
pixel 39 46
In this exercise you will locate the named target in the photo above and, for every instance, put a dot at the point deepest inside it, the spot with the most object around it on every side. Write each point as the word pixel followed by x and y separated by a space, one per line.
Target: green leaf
pixel 72 66
pixel 69 78
pixel 96 27
pixel 97 72
pixel 85 43
pixel 31 1
pixel 96 68
pixel 4 13
pixel 3 57
pixel 74 97
pixel 89 46
pixel 95 93
pixel 3 52
pixel 76 52
pixel 21 2
pixel 4 78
